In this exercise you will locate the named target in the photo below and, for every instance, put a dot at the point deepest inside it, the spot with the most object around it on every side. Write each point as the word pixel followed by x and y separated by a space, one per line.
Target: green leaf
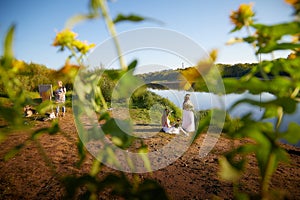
pixel 289 105
pixel 249 39
pixel 269 36
pixel 278 30
pixel 54 128
pixel 73 183
pixel 292 135
pixel 227 171
pixel 270 47
pixel 281 155
pixel 132 65
pixel 13 152
pixel 104 116
pixel 127 84
pixel 8 43
pixel 71 22
pixel 203 123
pixel 94 7
pixel 263 152
pixel 143 153
pixel 81 153
pixel 270 111
pixel 150 189
pixel 119 131
pixel 133 18
pixel 231 85
pixel 236 28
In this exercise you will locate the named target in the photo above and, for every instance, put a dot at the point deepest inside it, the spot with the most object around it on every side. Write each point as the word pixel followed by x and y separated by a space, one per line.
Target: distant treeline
pixel 226 70
pixel 31 75
pixel 236 70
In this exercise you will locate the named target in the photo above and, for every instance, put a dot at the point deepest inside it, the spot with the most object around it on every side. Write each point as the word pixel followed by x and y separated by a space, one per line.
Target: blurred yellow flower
pixel 82 47
pixel 243 16
pixel 292 2
pixel 67 38
pixel 213 55
pixel 64 38
pixel 17 65
pixel 191 75
pixel 296 5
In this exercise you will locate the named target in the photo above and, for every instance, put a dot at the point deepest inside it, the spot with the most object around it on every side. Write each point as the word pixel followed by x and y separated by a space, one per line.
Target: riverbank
pixel 34 172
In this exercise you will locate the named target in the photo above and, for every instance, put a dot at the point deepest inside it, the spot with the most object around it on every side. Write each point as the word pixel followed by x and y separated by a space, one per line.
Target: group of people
pixel 188 121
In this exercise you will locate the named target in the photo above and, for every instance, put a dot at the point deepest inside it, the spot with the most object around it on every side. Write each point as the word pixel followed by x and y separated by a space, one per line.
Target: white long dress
pixel 188 121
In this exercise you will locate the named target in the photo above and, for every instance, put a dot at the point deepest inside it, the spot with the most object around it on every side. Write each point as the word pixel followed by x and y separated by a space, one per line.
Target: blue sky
pixel 205 22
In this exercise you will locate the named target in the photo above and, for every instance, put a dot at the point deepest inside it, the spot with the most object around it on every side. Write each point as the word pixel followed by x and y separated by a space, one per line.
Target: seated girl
pixel 166 126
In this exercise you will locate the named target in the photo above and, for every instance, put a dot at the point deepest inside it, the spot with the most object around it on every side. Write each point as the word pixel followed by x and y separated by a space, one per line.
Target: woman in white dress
pixel 188 120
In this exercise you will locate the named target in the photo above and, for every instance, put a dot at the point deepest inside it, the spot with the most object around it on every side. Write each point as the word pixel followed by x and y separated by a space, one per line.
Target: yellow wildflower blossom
pixel 68 38
pixel 243 16
pixel 296 5
pixel 17 65
pixel 292 2
pixel 82 47
pixel 64 38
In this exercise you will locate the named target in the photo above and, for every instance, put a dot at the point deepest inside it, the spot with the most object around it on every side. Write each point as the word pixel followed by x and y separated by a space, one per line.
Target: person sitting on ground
pixel 166 126
pixel 165 122
pixel 176 129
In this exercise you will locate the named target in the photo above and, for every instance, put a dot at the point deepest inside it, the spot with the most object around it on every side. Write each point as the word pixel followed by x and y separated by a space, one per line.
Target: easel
pixel 46 93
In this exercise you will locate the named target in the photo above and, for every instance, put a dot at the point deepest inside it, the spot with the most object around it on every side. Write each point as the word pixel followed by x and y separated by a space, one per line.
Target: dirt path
pixel 33 173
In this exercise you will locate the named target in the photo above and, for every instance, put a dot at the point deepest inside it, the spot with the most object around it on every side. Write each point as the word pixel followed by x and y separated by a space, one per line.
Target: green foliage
pixel 120 186
pixel 280 77
pixel 31 75
pixel 107 84
pixel 149 100
pixel 133 18
pixel 18 77
pixel 118 135
pixel 12 86
pixel 236 70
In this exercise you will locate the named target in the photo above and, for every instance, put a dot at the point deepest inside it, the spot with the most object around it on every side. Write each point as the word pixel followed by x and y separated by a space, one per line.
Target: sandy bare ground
pixel 34 172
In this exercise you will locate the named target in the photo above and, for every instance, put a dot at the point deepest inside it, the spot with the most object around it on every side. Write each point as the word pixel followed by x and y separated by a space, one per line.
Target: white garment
pixel 173 130
pixel 188 121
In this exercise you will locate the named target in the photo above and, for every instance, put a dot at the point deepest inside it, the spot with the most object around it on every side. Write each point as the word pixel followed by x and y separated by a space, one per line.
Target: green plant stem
pixel 267 176
pixel 279 119
pixel 103 100
pixel 46 158
pixel 295 93
pixel 111 28
pixel 78 60
pixel 264 75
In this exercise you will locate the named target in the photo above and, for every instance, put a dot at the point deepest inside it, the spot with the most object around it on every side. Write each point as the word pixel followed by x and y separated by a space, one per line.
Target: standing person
pixel 188 121
pixel 60 98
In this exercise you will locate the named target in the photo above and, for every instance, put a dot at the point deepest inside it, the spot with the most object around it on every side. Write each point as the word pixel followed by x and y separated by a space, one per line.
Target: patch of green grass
pixel 144 116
